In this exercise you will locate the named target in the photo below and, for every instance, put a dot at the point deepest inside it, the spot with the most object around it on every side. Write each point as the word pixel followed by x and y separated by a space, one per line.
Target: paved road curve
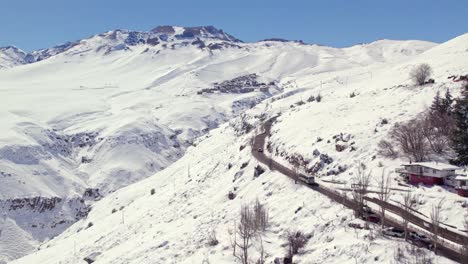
pixel 259 143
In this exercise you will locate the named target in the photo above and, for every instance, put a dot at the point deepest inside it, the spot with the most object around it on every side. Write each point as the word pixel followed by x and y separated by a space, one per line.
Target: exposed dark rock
pixel 259 170
pixel 340 148
pixel 92 193
pixel 163 30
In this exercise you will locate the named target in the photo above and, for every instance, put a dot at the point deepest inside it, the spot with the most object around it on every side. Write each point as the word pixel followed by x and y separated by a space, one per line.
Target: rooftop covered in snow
pixel 433 165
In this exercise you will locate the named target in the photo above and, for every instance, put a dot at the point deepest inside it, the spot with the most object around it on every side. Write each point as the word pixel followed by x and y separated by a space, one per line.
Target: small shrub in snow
pixel 295 240
pixel 244 165
pixel 384 121
pixel 212 239
pixel 90 224
pixel 300 103
pixel 340 147
pixel 152 192
pixel 231 195
pixel 311 99
pixel 353 94
pixel 114 210
pixel 318 98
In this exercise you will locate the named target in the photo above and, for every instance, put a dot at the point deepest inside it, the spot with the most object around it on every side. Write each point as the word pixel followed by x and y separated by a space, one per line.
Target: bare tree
pixel 409 202
pixel 260 213
pixel 245 231
pixel 295 240
pixel 383 195
pixel 233 238
pixel 261 250
pixel 411 140
pixel 435 221
pixel 420 73
pixel 253 221
pixel 296 168
pixel 386 149
pixel 360 184
pixel 464 249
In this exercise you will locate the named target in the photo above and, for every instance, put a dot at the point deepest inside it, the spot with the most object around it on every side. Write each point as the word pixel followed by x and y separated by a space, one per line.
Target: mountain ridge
pixel 123 39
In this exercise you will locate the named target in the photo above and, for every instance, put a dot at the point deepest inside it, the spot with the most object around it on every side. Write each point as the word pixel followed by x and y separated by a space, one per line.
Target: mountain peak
pixel 194 32
pixel 11 56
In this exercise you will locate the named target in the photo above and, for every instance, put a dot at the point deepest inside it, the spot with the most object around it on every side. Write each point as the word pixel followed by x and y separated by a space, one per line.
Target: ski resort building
pixel 430 173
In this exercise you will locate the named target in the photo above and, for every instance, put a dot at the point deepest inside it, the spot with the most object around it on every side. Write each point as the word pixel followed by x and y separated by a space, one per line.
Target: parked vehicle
pixel 309 180
pixel 394 232
pixel 373 218
pixel 421 240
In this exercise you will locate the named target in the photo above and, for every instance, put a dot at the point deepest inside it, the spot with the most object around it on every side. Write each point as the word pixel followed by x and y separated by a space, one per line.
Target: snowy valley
pixel 128 147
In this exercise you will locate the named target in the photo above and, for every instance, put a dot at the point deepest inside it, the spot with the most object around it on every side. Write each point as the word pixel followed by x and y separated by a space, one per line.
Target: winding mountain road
pixel 442 248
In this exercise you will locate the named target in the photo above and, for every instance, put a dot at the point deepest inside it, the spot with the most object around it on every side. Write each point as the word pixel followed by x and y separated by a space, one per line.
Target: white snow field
pixel 116 117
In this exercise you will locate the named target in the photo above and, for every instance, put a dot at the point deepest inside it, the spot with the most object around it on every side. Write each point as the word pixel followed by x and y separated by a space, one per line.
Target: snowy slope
pixel 132 226
pixel 356 122
pixel 113 109
pixel 191 199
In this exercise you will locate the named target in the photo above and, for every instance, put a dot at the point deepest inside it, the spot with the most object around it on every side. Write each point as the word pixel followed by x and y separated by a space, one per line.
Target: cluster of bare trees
pixel 411 254
pixel 295 241
pixel 360 184
pixel 431 133
pixel 411 140
pixel 248 231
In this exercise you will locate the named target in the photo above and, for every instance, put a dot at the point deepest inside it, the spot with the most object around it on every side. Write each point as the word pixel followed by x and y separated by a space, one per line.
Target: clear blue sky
pixel 34 24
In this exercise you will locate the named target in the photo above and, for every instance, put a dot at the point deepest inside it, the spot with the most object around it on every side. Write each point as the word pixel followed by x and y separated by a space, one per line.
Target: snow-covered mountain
pixel 123 40
pixel 11 56
pixel 89 117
